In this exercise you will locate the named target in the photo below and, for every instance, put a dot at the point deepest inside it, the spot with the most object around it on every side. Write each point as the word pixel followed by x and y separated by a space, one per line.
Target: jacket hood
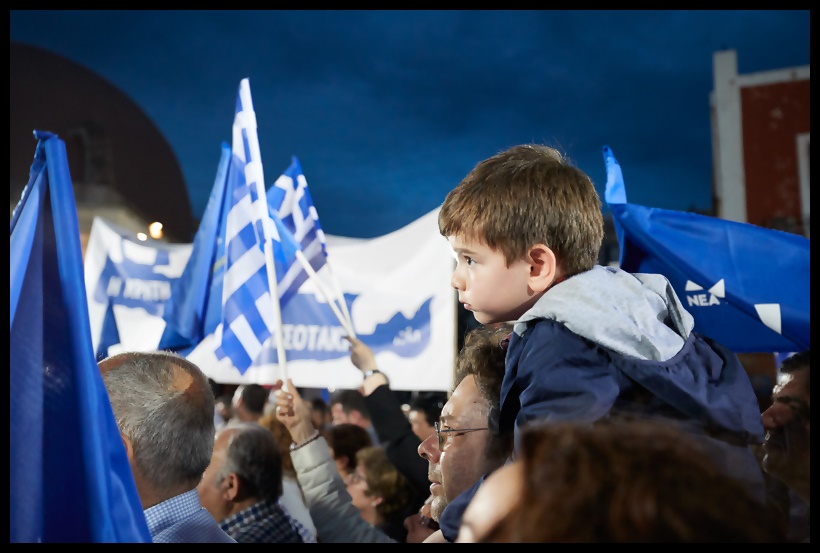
pixel 637 315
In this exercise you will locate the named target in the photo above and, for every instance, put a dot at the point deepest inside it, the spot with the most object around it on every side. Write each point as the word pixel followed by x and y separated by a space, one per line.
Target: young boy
pixel 588 341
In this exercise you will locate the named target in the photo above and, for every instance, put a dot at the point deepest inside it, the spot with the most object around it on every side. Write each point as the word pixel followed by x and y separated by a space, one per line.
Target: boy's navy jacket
pixel 606 341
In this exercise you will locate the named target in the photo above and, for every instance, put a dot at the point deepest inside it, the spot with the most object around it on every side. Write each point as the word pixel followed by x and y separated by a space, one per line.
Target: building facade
pixel 761 128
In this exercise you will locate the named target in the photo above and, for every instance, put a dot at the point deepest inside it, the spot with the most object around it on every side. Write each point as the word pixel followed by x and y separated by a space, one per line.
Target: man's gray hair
pixel 164 404
pixel 253 454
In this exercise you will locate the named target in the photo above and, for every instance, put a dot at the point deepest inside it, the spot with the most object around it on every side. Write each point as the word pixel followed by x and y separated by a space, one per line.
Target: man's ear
pixel 230 486
pixel 129 448
pixel 543 268
pixel 376 500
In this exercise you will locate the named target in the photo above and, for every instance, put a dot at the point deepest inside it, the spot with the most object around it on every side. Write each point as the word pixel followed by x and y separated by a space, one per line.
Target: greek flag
pixel 289 200
pixel 746 286
pixel 287 265
pixel 248 319
pixel 69 478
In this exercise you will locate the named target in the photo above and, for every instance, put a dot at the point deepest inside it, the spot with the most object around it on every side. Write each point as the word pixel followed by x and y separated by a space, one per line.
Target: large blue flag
pixel 69 476
pixel 746 286
pixel 194 308
pixel 248 316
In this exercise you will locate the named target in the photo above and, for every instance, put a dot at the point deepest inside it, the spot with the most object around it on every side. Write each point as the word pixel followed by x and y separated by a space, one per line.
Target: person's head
pixel 348 406
pixel 345 440
pixel 464 457
pixel 249 402
pixel 283 440
pixel 517 222
pixel 616 481
pixel 378 489
pixel 223 407
pixel 245 468
pixel 164 409
pixel 787 445
pixel 423 414
pixel 320 414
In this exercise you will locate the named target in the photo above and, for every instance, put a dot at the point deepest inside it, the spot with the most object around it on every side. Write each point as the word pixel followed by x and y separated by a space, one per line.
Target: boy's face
pixel 494 292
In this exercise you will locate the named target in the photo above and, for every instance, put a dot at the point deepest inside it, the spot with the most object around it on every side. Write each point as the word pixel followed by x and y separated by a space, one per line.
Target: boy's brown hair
pixel 526 195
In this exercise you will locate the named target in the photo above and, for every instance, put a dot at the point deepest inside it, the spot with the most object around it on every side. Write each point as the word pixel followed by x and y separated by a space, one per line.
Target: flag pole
pixel 277 310
pixel 315 278
pixel 254 174
pixel 340 295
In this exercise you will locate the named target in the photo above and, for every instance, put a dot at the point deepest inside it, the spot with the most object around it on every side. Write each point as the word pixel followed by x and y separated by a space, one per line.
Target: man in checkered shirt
pixel 242 486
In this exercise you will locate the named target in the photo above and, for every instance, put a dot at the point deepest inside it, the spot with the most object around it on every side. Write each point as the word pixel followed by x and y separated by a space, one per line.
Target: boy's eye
pixel 469 260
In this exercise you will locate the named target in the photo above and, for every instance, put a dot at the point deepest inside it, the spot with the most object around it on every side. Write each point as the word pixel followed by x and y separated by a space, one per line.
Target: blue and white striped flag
pixel 287 265
pixel 289 200
pixel 248 316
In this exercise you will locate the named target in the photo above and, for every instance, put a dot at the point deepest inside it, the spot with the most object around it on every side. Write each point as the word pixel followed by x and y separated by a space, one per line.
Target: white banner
pixel 397 289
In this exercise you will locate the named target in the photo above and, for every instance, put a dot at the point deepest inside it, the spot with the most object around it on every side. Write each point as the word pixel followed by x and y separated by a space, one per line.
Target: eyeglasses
pixel 354 478
pixel 454 431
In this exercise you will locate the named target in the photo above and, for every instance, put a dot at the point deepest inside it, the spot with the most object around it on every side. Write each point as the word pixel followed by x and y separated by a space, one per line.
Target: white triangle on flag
pixel 692 287
pixel 719 289
pixel 769 314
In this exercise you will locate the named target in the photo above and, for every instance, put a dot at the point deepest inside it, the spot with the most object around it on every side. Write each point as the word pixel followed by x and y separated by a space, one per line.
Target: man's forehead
pixel 793 384
pixel 465 403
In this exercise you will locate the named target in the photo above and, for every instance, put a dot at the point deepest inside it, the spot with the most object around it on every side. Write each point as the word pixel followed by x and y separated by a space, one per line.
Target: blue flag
pixel 746 286
pixel 194 308
pixel 70 480
pixel 248 319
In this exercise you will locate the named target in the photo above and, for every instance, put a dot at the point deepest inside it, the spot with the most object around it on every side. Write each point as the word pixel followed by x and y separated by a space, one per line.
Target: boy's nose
pixel 456 281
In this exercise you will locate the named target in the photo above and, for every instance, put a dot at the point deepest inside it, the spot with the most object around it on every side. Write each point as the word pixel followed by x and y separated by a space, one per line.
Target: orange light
pixel 155 229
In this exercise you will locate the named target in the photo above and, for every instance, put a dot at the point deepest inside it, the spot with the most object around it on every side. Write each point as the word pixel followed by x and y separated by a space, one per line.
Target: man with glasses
pixel 464 458
pixel 467 445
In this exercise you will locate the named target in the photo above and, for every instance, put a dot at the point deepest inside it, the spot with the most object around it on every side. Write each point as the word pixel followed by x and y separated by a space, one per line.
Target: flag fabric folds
pixel 69 479
pixel 248 320
pixel 285 247
pixel 746 286
pixel 194 308
pixel 290 201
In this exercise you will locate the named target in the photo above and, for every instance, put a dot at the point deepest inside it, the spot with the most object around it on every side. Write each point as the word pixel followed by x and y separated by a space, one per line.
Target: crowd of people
pixel 585 408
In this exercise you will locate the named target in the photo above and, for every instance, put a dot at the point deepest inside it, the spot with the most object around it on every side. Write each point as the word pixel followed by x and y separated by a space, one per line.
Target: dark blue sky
pixel 388 110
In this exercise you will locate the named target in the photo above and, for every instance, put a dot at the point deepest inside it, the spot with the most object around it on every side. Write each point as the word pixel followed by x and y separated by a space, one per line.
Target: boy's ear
pixel 543 268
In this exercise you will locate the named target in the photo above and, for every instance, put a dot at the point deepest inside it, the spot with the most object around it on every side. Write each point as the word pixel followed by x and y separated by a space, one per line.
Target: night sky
pixel 389 110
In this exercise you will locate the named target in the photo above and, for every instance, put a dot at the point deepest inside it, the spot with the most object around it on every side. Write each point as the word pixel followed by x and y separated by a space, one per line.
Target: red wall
pixel 773 115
